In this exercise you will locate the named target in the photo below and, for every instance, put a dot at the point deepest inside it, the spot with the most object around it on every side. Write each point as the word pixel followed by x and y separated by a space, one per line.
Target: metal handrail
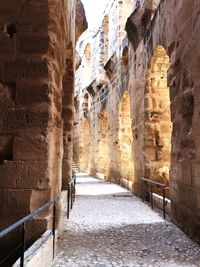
pixel 22 222
pixel 154 183
pixel 28 217
pixel 71 191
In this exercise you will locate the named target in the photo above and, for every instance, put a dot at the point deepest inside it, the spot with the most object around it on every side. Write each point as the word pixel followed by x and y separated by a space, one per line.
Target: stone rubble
pixel 110 228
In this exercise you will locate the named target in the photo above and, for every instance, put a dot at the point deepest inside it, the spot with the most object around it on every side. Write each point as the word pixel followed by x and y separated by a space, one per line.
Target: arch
pixel 158 126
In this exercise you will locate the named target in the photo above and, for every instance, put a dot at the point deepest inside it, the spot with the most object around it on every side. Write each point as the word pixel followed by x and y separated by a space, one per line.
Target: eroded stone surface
pixel 109 227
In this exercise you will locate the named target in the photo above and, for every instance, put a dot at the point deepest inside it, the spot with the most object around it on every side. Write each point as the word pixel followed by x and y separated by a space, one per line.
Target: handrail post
pixel 54 228
pixel 142 193
pixel 164 213
pixel 74 188
pixel 150 184
pixel 151 196
pixel 23 244
pixel 23 224
pixel 72 195
pixel 68 200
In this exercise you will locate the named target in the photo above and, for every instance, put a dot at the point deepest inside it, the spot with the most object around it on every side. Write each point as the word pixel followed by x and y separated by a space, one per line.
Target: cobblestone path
pixel 109 227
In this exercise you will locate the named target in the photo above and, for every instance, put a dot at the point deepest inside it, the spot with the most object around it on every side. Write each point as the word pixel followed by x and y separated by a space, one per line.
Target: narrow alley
pixel 109 227
pixel 109 89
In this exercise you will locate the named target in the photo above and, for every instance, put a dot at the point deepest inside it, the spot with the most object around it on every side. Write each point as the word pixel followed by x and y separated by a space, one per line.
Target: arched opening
pixel 158 126
pixel 103 144
pixel 125 141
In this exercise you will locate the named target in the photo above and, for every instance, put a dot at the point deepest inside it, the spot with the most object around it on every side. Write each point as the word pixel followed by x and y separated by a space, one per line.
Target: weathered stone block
pixel 16 206
pixel 31 148
pixel 26 119
pixel 188 197
pixel 25 44
pixel 196 175
pixel 22 69
pixel 24 175
pixel 3 203
pixel 7 45
pixel 38 199
pixel 30 94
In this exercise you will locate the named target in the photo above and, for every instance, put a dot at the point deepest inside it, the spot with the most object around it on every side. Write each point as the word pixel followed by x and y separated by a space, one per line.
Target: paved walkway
pixel 109 227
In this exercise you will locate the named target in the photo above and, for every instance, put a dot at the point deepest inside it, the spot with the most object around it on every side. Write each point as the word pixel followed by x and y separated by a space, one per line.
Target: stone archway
pixel 158 126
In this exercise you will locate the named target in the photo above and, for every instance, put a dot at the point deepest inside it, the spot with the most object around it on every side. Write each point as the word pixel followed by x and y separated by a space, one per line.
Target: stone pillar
pixel 32 64
pixel 67 114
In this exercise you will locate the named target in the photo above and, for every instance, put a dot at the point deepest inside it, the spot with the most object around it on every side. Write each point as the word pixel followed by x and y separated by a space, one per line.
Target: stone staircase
pixel 74 166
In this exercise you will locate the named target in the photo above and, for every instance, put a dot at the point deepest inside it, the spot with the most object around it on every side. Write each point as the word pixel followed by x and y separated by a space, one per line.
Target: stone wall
pixel 35 40
pixel 158 70
pixel 173 33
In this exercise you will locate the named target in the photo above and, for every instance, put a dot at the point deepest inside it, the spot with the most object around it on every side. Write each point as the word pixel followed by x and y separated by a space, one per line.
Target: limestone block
pixel 7 45
pixel 67 114
pixel 26 119
pixel 17 207
pixel 195 175
pixel 174 190
pixel 31 25
pixel 186 173
pixel 38 199
pixel 10 71
pixel 31 148
pixel 25 44
pixel 3 203
pixel 28 94
pixel 7 12
pixel 188 197
pixel 24 175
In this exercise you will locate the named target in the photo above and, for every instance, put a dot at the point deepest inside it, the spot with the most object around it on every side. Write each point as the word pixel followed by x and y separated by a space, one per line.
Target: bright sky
pixel 94 10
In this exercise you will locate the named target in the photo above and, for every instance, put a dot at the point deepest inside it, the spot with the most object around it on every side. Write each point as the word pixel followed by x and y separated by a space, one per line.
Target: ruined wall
pixel 172 32
pixel 34 38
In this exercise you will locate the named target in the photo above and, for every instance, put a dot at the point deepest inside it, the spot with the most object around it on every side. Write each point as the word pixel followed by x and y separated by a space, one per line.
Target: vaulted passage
pixel 158 126
pixel 115 99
